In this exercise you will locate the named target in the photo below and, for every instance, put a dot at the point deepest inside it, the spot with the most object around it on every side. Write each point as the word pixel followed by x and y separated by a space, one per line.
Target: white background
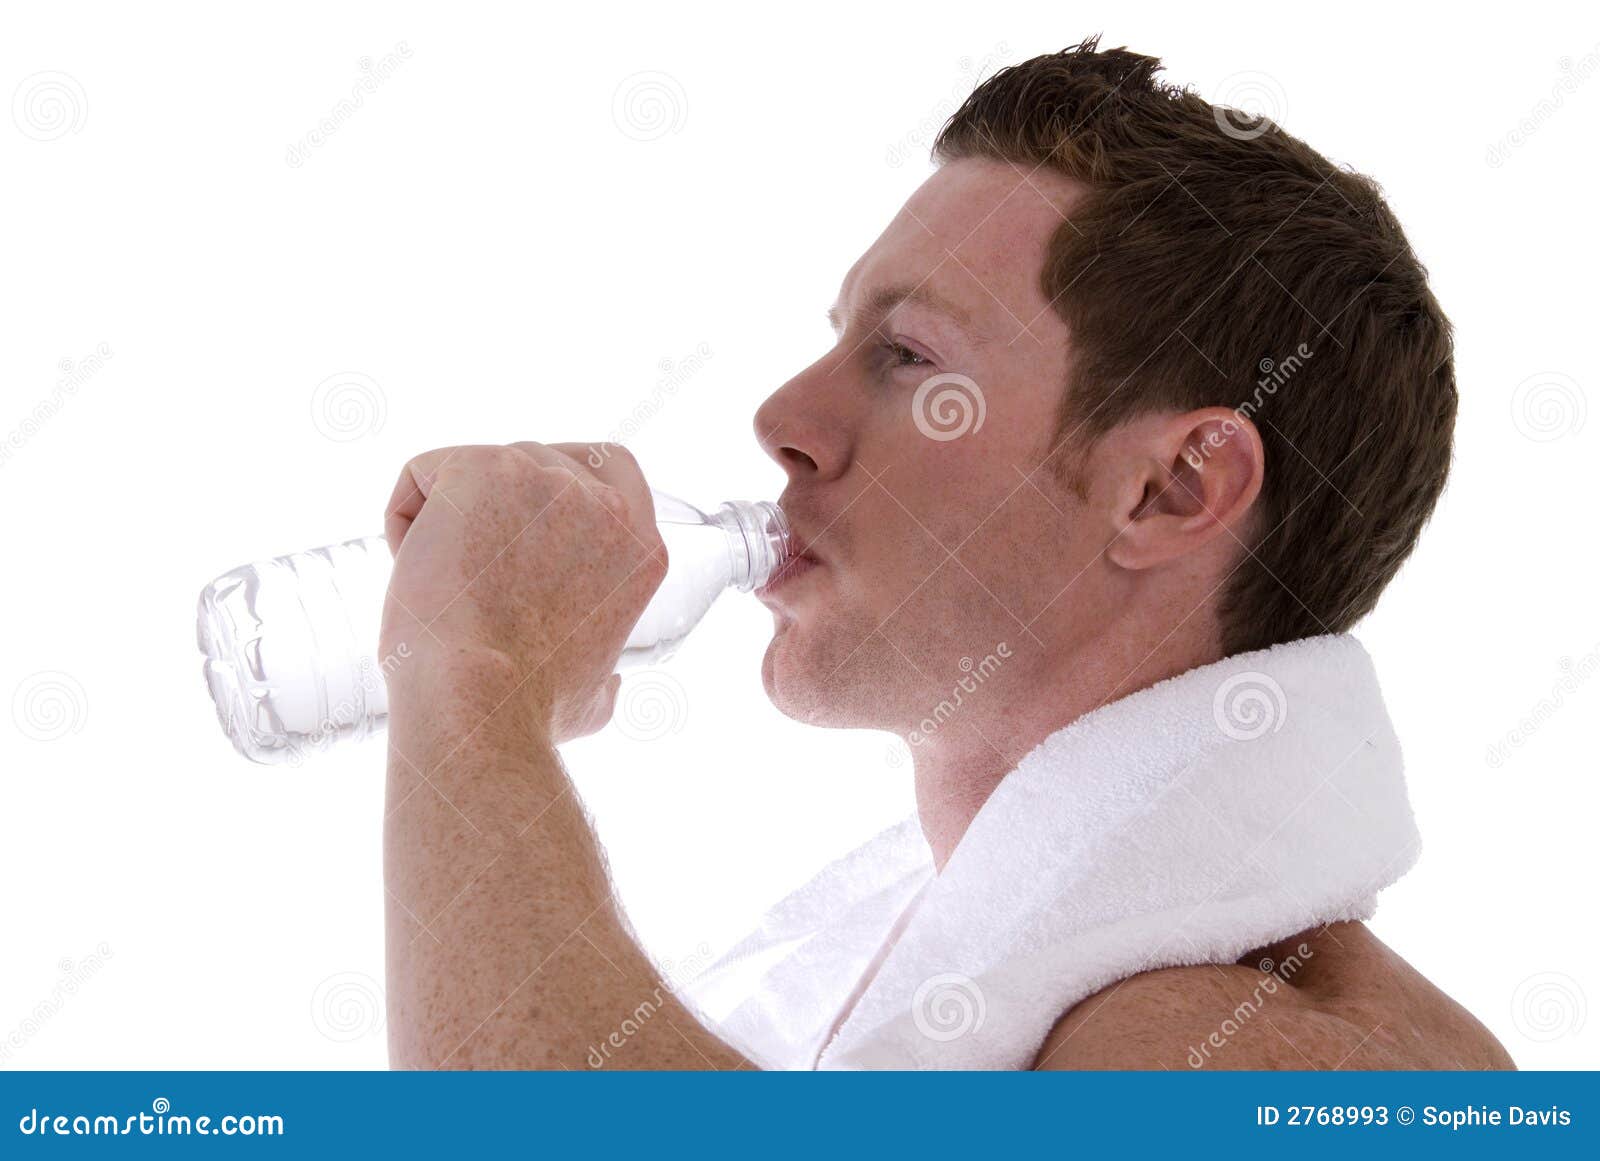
pixel 511 239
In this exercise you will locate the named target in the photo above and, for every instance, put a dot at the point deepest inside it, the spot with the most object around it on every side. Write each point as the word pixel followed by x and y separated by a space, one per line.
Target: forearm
pixel 505 949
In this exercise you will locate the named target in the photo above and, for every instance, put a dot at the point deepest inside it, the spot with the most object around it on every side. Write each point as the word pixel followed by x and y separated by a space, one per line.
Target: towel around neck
pixel 1214 812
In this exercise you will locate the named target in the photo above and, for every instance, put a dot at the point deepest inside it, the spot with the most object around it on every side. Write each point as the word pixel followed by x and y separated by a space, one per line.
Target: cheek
pixel 942 482
pixel 1028 553
pixel 949 491
pixel 947 408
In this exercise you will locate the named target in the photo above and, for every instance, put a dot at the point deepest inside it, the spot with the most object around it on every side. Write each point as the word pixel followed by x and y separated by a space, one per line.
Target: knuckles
pixel 529 551
pixel 522 503
pixel 656 563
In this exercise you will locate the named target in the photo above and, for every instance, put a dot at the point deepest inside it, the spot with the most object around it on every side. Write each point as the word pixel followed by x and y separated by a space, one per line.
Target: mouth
pixel 788 573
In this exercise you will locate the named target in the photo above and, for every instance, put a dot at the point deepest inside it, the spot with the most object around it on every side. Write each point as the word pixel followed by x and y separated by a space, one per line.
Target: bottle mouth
pixel 760 542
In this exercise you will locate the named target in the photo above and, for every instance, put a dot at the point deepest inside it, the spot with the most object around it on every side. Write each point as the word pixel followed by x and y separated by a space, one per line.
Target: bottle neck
pixel 758 540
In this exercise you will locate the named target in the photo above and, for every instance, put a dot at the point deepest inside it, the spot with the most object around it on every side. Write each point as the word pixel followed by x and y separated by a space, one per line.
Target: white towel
pixel 1212 813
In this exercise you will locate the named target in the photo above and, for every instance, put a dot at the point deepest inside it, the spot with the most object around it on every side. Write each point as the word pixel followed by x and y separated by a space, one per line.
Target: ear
pixel 1194 478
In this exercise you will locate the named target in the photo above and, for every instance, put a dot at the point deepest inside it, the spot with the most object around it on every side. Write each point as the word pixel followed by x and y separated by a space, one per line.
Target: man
pixel 1129 385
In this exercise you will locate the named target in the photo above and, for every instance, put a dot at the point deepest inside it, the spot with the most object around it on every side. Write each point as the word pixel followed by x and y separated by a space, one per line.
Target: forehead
pixel 975 232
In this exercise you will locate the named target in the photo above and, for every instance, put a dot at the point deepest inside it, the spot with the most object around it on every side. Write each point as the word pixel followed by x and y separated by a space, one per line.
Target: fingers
pixel 616 481
pixel 617 469
pixel 411 491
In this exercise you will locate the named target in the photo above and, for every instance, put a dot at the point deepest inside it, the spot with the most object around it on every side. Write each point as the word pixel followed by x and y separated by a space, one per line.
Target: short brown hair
pixel 1218 261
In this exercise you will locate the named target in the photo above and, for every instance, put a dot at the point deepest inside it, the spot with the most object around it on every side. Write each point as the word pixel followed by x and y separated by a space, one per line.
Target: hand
pixel 523 567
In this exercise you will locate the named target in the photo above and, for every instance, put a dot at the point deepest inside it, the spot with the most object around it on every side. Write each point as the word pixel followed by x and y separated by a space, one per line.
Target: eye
pixel 903 356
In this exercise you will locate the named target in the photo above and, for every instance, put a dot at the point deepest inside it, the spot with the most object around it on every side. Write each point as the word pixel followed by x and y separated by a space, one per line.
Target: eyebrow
pixel 879 303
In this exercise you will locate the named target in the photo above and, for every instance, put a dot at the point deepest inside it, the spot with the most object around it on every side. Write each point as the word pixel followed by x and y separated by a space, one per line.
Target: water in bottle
pixel 291 643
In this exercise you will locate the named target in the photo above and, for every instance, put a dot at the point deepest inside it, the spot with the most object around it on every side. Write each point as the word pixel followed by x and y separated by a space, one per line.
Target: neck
pixel 981 734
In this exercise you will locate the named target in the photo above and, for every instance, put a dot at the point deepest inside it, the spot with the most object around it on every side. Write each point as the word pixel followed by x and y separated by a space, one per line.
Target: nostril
pixel 796 457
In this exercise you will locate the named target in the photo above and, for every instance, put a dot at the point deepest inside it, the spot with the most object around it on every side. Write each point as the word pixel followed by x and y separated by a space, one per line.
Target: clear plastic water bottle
pixel 291 643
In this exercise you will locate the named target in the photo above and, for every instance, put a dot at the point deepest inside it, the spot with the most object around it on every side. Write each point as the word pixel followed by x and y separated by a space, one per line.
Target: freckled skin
pixel 1330 998
pixel 518 575
pixel 936 551
pixel 519 571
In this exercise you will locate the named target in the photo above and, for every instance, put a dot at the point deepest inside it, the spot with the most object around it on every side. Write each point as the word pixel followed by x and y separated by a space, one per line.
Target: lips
pixel 789 570
pixel 803 522
pixel 794 567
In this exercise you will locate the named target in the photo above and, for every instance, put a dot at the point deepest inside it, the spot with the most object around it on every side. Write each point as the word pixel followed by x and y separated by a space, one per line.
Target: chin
pixel 824 680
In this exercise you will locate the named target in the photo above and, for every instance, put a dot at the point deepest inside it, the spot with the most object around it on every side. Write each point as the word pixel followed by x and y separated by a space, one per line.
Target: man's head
pixel 1130 383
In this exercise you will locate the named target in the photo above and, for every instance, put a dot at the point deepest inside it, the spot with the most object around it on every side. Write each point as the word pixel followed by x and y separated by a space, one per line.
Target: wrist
pixel 451 688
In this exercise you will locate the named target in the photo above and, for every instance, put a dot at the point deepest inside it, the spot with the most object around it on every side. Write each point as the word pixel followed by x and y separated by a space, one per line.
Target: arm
pixel 518 574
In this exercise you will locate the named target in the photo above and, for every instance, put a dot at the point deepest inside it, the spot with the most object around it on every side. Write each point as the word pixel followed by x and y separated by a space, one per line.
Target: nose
pixel 799 428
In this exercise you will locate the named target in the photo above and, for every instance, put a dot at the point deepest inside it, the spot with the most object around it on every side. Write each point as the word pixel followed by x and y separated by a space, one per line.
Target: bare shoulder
pixel 1335 997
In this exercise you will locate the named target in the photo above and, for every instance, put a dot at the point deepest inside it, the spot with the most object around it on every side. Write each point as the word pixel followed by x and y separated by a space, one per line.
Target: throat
pixel 955 776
